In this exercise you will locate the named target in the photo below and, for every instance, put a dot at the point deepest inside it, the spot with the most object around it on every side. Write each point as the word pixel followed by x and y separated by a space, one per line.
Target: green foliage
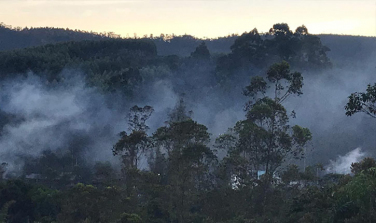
pixel 86 203
pixel 4 211
pixel 3 168
pixel 264 141
pixel 264 137
pixel 301 135
pixel 250 50
pixel 112 65
pixel 104 173
pixel 311 204
pixel 22 202
pixel 356 199
pixel 179 113
pixel 183 191
pixel 138 117
pixel 284 82
pixel 362 102
pixel 129 146
pixel 201 52
pixel 188 164
pixel 257 86
pixel 57 169
pixel 363 166
pixel 130 218
pixel 281 72
pixel 132 147
pixel 55 57
pixel 290 174
pixel 16 37
pixel 183 181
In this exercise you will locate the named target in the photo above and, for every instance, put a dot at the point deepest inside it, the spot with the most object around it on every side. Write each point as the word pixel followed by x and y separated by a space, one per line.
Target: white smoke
pixel 59 117
pixel 343 163
pixel 70 116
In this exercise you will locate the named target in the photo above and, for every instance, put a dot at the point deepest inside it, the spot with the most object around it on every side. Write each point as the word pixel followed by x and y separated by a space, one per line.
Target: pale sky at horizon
pixel 206 18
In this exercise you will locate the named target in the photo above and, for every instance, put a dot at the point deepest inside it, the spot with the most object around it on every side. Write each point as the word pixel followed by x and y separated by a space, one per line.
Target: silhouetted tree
pixel 362 102
pixel 134 146
pixel 201 52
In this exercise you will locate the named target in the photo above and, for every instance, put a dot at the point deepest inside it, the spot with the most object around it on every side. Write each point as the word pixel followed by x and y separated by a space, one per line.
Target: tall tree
pixel 265 139
pixel 134 146
pixel 184 143
pixel 201 52
pixel 248 49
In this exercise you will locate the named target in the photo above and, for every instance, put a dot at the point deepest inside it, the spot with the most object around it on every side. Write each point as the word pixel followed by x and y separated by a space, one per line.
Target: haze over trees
pixel 98 128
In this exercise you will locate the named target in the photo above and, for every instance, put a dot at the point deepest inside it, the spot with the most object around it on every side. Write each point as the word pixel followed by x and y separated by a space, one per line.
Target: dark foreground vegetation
pixel 297 197
pixel 178 171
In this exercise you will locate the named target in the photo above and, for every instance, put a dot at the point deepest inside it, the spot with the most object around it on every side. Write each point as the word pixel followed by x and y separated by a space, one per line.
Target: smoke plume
pixel 343 163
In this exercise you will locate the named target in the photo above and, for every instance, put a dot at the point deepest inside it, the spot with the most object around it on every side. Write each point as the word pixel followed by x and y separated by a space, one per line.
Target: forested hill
pixel 16 38
pixel 344 48
pixel 53 57
pixel 249 128
pixel 118 63
pixel 114 60
pixel 113 63
pixel 349 49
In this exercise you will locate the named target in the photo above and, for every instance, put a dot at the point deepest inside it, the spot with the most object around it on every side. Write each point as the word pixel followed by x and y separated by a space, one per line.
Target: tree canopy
pixel 362 102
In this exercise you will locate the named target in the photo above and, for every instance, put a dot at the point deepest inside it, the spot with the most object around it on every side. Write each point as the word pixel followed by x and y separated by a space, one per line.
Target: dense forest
pixel 258 127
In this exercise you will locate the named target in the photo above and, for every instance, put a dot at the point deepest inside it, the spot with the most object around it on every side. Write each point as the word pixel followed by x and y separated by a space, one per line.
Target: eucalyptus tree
pixel 132 147
pixel 184 144
pixel 264 140
pixel 201 52
pixel 362 102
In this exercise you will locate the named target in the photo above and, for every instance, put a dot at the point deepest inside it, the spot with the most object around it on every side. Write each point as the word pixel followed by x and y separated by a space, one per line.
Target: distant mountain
pixel 349 49
pixel 16 38
pixel 343 48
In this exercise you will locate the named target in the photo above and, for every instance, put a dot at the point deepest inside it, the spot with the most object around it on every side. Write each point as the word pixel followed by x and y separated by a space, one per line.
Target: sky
pixel 205 18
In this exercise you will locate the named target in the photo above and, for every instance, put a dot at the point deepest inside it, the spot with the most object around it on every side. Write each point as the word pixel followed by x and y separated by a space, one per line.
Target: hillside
pixel 248 128
pixel 16 38
pixel 343 47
